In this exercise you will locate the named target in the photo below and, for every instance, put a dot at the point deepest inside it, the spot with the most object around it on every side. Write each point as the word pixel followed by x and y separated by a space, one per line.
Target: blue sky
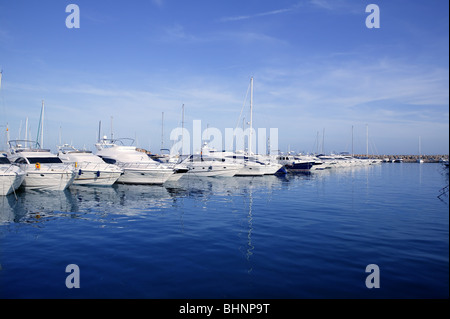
pixel 316 67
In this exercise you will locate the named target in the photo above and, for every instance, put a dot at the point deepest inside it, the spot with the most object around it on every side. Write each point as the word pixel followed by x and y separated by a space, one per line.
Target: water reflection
pixel 131 200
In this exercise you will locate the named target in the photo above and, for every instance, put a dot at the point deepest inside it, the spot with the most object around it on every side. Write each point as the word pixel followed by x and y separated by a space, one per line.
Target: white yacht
pixel 174 162
pixel 43 170
pixel 295 164
pixel 138 167
pixel 90 169
pixel 207 166
pixel 248 166
pixel 11 176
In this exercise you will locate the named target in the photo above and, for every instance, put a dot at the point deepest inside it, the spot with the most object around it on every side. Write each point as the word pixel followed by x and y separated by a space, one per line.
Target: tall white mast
pixel 251 117
pixel 162 131
pixel 367 140
pixel 182 129
pixel 42 125
pixel 26 131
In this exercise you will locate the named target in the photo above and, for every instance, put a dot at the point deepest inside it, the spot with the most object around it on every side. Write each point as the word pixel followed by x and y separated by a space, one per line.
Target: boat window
pixel 21 160
pixel 109 160
pixel 4 160
pixel 44 160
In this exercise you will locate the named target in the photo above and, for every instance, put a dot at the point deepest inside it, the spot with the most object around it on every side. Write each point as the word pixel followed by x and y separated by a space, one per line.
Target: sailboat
pixel 252 164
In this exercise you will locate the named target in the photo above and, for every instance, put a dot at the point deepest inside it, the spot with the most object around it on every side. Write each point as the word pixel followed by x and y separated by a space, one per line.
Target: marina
pixel 201 151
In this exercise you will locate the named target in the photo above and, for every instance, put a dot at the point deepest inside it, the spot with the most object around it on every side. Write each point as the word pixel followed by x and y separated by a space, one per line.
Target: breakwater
pixel 409 158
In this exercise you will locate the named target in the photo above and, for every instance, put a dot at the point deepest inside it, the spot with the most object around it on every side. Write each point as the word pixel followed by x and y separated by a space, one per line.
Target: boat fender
pixel 80 172
pixel 38 165
pixel 98 173
pixel 76 164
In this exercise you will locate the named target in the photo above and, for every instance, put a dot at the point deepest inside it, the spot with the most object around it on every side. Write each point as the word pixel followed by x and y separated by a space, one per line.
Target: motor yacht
pixel 43 169
pixel 207 166
pixel 90 168
pixel 11 176
pixel 138 167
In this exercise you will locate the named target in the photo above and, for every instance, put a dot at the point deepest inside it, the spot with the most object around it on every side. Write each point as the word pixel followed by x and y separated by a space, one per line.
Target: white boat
pixel 44 170
pixel 174 162
pixel 247 165
pixel 294 164
pixel 207 166
pixel 90 169
pixel 138 167
pixel 11 176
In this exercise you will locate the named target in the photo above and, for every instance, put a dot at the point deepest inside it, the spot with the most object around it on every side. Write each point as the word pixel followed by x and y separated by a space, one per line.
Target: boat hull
pixel 10 182
pixel 48 180
pixel 206 171
pixel 96 177
pixel 145 176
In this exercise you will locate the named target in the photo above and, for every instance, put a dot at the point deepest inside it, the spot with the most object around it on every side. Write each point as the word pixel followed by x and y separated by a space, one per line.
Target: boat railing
pixel 48 166
pixel 95 166
pixel 139 165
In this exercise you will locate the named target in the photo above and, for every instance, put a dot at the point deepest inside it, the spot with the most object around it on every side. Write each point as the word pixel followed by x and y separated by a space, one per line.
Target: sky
pixel 321 77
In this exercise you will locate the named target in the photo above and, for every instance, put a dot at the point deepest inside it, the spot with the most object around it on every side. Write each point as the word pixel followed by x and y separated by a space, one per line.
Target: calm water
pixel 299 236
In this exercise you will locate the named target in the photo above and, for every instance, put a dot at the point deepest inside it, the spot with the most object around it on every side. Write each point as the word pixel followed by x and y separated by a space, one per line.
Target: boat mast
pixel 162 131
pixel 367 140
pixel 251 117
pixel 40 133
pixel 182 129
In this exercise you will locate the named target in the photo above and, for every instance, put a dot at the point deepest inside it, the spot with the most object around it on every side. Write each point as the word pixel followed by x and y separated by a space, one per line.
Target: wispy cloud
pixel 257 15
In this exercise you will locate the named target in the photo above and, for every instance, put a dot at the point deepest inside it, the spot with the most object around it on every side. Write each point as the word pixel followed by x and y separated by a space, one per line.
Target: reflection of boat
pixel 44 170
pixel 90 169
pixel 11 176
pixel 138 167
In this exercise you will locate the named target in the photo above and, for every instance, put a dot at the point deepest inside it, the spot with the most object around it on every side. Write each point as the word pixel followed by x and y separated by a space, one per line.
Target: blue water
pixel 297 236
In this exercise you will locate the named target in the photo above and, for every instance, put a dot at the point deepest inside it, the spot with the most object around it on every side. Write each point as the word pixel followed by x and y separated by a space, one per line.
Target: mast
pixel 182 129
pixel 352 141
pixel 367 140
pixel 112 134
pixel 42 126
pixel 40 133
pixel 420 152
pixel 162 131
pixel 26 131
pixel 251 117
pixel 99 131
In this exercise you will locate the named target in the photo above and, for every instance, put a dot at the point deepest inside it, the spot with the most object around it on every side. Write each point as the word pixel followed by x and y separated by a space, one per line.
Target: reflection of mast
pixel 250 247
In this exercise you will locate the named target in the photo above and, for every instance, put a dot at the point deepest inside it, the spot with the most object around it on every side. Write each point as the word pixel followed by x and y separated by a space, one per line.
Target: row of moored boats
pixel 35 168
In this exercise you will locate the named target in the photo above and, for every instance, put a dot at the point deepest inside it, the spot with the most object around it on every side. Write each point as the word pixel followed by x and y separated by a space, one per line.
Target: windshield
pixel 44 160
pixel 4 160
